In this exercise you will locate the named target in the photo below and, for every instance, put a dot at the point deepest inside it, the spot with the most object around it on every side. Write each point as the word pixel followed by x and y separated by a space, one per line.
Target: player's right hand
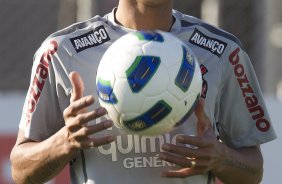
pixel 80 135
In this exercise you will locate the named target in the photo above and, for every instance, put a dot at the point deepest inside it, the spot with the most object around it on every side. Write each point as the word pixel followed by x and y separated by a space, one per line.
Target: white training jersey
pixel 234 101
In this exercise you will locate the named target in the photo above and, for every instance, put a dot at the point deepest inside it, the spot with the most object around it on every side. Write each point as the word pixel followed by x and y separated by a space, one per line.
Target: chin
pixel 154 2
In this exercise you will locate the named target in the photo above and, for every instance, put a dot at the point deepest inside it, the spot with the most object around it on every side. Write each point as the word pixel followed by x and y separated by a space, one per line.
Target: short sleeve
pixel 47 94
pixel 243 119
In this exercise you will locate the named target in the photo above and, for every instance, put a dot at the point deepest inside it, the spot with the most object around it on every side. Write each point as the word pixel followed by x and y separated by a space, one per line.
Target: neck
pixel 145 16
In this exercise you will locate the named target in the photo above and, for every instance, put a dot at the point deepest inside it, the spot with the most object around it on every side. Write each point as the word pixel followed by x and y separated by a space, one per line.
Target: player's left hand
pixel 195 154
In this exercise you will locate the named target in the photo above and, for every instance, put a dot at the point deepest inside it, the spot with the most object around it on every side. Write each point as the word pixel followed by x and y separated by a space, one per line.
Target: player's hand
pixel 195 154
pixel 76 116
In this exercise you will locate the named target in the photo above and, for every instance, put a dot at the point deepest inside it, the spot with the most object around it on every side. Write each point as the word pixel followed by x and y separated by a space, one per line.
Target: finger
pixel 184 151
pixel 203 122
pixel 92 129
pixel 82 137
pixel 191 166
pixel 81 119
pixel 95 142
pixel 100 126
pixel 78 106
pixel 181 173
pixel 77 86
pixel 86 117
pixel 88 142
pixel 175 159
pixel 199 110
pixel 196 141
pixel 85 131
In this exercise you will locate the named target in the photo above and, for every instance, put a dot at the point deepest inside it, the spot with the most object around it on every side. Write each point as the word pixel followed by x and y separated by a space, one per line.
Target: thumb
pixel 77 86
pixel 203 122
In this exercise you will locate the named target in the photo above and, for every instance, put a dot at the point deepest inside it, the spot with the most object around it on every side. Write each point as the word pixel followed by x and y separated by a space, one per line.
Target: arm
pixel 231 166
pixel 38 162
pixel 244 165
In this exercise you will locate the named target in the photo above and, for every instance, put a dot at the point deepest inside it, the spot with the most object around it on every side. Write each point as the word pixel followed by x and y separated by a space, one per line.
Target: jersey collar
pixel 111 18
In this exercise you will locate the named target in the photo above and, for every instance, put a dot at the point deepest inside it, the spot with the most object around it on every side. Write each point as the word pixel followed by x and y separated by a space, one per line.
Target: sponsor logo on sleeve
pixel 90 39
pixel 215 46
pixel 251 100
pixel 38 81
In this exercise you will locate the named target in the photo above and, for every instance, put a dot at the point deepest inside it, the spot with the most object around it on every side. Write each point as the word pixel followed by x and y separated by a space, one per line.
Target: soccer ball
pixel 149 82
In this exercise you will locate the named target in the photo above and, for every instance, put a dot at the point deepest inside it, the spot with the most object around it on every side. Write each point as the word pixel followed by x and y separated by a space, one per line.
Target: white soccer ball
pixel 149 82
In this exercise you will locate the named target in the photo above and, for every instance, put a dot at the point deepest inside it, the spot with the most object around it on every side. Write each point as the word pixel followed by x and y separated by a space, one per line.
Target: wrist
pixel 220 165
pixel 62 139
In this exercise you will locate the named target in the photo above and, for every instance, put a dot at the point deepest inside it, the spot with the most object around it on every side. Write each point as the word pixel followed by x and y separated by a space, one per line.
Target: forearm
pixel 244 166
pixel 34 162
